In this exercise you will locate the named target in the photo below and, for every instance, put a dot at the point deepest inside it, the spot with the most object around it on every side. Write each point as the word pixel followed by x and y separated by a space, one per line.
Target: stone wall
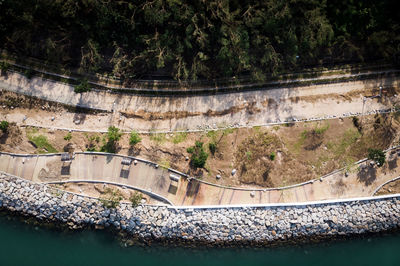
pixel 230 225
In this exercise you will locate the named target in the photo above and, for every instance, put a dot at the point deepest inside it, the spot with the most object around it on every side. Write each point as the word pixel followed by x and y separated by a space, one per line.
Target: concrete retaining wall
pixel 230 225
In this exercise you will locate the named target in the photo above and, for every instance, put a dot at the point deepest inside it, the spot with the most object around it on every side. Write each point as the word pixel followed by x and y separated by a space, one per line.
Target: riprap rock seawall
pixel 266 224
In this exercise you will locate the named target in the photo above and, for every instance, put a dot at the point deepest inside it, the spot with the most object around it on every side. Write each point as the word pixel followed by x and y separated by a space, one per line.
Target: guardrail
pixel 144 191
pixel 189 178
pixel 387 182
pixel 241 206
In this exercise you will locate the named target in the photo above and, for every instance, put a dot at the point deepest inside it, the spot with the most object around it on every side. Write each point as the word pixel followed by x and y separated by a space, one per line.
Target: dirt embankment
pixel 390 188
pixel 263 156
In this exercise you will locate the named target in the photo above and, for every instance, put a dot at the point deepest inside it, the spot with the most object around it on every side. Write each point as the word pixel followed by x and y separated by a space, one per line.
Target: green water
pixel 22 244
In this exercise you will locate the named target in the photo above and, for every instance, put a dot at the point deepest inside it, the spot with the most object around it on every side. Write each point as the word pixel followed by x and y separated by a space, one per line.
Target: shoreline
pixel 127 240
pixel 241 226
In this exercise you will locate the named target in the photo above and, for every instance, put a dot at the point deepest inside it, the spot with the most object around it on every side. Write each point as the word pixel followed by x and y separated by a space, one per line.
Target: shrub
pixel 377 155
pixel 83 86
pixel 28 73
pixel 134 138
pixel 248 155
pixel 4 126
pixel 113 136
pixel 199 156
pixel 213 147
pixel 4 66
pixel 272 156
pixel 68 137
pixel 135 199
pixel 111 198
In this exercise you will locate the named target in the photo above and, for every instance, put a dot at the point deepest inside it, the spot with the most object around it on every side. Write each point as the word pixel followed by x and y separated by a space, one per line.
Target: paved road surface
pixel 145 176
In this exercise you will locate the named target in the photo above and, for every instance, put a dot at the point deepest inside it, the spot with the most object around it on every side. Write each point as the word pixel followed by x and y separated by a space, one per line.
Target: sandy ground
pixel 144 113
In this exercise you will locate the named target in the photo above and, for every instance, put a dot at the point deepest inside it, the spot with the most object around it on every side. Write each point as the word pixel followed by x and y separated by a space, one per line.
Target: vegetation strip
pixel 211 90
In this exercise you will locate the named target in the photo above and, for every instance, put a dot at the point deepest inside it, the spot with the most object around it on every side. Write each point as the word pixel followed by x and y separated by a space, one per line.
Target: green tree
pixel 198 155
pixel 134 138
pixel 4 126
pixel 377 155
pixel 113 136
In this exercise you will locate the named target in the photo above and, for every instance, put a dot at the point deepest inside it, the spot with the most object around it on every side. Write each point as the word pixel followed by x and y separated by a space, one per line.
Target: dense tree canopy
pixel 199 39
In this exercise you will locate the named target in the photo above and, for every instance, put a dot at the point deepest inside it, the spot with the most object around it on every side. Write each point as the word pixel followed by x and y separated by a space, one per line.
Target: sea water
pixel 27 244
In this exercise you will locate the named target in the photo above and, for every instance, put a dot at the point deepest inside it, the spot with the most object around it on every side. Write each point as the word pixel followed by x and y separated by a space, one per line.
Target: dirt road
pixel 145 113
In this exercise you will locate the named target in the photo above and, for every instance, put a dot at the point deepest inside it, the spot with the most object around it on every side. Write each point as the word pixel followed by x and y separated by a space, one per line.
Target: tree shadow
pixel 367 175
pixel 132 151
pixel 392 163
pixel 3 137
pixel 192 188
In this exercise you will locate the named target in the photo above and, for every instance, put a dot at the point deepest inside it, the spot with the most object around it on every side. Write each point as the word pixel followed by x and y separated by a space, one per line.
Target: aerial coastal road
pixel 171 187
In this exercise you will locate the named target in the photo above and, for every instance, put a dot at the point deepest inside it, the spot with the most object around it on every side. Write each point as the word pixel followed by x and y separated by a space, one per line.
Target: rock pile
pixel 210 225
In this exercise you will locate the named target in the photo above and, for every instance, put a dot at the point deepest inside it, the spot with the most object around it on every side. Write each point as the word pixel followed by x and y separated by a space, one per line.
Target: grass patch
pixel 179 137
pixel 68 137
pixel 257 128
pixel 164 163
pixel 349 138
pixel 298 144
pixel 42 144
pixel 158 137
pixel 321 130
pixel 228 131
pixel 212 134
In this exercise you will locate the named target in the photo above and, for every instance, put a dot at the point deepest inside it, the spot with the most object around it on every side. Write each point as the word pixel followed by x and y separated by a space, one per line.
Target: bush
pixel 272 156
pixel 28 73
pixel 199 156
pixel 134 138
pixel 4 126
pixel 68 137
pixel 4 66
pixel 377 155
pixel 111 198
pixel 113 136
pixel 83 86
pixel 136 198
pixel 213 147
